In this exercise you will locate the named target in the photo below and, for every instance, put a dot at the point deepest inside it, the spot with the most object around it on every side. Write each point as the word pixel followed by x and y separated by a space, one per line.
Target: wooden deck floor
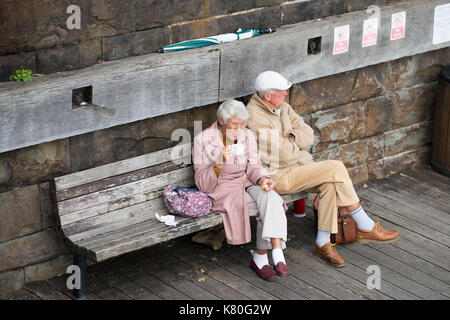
pixel 417 266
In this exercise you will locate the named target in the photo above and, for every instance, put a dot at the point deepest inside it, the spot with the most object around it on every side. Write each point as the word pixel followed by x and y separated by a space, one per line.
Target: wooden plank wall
pixel 141 87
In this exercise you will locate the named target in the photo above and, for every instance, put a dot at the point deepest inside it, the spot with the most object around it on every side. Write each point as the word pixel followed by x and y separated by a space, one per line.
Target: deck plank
pixel 422 202
pixel 402 275
pixel 437 222
pixel 210 260
pixel 240 263
pixel 45 291
pixel 404 221
pixel 356 266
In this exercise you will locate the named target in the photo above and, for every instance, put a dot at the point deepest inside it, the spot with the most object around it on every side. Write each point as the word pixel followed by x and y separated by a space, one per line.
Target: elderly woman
pixel 228 169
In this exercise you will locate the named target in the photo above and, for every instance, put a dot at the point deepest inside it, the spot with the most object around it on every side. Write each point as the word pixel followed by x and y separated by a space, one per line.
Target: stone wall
pixel 115 29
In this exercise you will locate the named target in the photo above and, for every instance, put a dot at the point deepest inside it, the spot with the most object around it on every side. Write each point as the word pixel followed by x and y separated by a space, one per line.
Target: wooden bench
pixel 110 210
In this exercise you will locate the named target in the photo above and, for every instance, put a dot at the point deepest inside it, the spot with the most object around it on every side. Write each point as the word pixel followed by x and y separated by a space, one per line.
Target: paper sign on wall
pixel 441 28
pixel 398 23
pixel 341 39
pixel 370 30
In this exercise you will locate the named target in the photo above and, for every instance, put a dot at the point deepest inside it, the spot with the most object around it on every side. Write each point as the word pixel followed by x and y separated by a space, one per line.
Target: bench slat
pixel 114 220
pixel 143 240
pixel 114 237
pixel 116 168
pixel 124 191
pixel 117 180
pixel 114 205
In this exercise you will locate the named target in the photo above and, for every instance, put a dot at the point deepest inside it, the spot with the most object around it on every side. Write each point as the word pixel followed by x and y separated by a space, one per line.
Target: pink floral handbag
pixel 186 202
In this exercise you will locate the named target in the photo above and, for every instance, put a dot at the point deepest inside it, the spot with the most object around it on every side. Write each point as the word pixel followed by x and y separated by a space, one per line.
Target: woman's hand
pixel 267 184
pixel 227 153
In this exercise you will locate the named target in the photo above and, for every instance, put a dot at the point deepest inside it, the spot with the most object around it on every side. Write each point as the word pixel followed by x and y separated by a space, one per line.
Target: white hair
pixel 232 108
pixel 261 93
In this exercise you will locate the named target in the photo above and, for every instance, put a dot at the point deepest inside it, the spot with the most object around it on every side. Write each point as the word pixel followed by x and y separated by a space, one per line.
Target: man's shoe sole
pixel 328 261
pixel 366 241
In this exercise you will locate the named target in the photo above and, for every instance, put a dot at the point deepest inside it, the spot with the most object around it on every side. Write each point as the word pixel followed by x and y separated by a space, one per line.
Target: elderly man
pixel 227 168
pixel 284 142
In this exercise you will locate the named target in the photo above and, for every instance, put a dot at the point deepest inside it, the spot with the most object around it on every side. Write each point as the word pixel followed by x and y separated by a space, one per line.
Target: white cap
pixel 271 80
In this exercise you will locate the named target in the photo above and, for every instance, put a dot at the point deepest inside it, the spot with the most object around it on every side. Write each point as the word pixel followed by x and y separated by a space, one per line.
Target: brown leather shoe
pixel 282 270
pixel 329 254
pixel 378 234
pixel 265 273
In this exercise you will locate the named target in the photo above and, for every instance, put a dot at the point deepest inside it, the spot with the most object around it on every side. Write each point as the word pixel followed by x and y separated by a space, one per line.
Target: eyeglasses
pixel 234 125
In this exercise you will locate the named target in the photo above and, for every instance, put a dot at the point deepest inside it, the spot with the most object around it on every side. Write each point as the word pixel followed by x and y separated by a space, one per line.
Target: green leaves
pixel 24 75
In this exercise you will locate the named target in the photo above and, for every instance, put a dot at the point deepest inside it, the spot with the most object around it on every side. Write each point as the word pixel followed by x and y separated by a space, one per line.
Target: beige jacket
pixel 278 152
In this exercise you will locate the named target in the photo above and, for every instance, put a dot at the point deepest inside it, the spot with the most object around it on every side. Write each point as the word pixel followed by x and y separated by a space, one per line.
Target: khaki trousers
pixel 267 206
pixel 330 178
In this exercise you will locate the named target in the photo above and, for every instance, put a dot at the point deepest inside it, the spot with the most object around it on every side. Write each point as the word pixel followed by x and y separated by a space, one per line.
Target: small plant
pixel 24 75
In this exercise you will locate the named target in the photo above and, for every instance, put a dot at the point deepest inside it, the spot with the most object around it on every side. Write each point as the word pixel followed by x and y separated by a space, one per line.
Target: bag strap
pixel 184 189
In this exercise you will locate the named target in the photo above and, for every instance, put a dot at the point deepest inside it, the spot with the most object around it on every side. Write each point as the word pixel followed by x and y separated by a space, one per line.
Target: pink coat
pixel 228 190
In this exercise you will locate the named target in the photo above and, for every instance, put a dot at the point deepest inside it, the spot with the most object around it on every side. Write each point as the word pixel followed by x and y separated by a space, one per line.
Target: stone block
pixel 9 64
pixel 155 13
pixel 303 10
pixel 342 88
pixel 337 126
pixel 206 114
pixel 32 249
pixel 47 217
pixel 355 153
pixel 359 174
pixel 69 57
pixel 125 141
pixel 111 17
pixel 188 30
pixel 35 164
pixel 218 7
pixel 414 70
pixel 393 164
pixel 11 281
pixel 19 213
pixel 48 269
pixel 400 108
pixel 137 43
pixel 407 138
pixel 253 19
pixel 5 172
pixel 45 24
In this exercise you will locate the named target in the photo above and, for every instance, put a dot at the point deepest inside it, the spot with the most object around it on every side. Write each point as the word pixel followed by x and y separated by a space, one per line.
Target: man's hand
pixel 267 184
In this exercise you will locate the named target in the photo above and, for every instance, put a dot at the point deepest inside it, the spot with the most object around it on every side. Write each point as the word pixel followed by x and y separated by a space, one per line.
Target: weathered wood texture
pixel 110 210
pixel 141 87
pixel 123 91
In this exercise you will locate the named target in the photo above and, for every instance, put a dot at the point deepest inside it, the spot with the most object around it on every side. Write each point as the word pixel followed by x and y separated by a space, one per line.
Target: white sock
pixel 278 256
pixel 323 237
pixel 362 219
pixel 259 259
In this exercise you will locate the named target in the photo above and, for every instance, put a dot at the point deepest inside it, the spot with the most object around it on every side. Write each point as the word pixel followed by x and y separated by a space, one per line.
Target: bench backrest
pixel 112 196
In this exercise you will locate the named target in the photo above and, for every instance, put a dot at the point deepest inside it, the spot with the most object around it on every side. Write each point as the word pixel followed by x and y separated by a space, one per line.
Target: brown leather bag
pixel 346 228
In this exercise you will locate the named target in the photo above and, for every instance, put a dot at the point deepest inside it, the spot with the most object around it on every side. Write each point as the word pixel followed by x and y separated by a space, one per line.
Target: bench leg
pixel 80 261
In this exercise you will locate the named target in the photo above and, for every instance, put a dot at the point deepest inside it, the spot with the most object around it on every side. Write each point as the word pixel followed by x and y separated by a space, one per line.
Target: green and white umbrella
pixel 221 38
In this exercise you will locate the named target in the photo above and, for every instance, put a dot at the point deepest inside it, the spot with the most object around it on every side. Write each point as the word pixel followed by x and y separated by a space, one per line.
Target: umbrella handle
pixel 267 30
